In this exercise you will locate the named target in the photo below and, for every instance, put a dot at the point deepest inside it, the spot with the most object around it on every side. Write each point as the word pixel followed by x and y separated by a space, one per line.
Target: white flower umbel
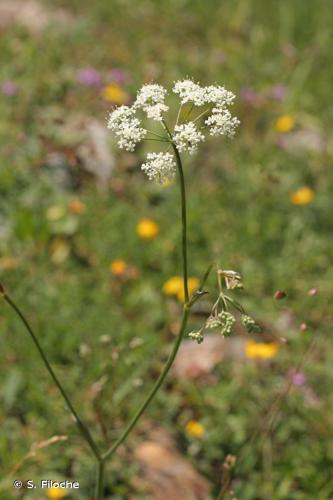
pixel 120 115
pixel 214 117
pixel 126 127
pixel 189 91
pixel 150 99
pixel 160 167
pixel 187 137
pixel 221 122
pixel 219 96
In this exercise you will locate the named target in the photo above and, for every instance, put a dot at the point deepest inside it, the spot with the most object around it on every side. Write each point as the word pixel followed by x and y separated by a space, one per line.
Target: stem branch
pixel 100 480
pixel 81 426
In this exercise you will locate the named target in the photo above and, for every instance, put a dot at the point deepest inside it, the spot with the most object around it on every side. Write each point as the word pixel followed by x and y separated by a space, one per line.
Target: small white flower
pixel 189 91
pixel 126 128
pixel 187 137
pixel 120 115
pixel 160 167
pixel 219 96
pixel 155 112
pixel 150 99
pixel 222 123
pixel 130 134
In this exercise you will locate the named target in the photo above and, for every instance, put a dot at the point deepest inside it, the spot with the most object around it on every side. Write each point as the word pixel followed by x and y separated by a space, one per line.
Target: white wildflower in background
pixel 160 167
pixel 187 137
pixel 188 132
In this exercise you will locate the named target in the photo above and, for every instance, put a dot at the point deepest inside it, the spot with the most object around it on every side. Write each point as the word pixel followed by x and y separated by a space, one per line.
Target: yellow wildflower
pixel 118 267
pixel 76 206
pixel 261 350
pixel 114 93
pixel 302 196
pixel 195 429
pixel 175 286
pixel 55 212
pixel 59 250
pixel 192 285
pixel 284 123
pixel 147 229
pixel 8 263
pixel 56 493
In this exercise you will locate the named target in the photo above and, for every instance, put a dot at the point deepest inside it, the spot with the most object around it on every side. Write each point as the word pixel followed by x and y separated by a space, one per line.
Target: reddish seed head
pixel 303 327
pixel 279 295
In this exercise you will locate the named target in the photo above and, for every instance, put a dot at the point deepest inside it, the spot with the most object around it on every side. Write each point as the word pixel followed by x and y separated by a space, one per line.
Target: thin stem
pixel 189 111
pixel 185 316
pixel 178 114
pixel 153 139
pixel 201 114
pixel 157 135
pixel 81 426
pixel 183 210
pixel 155 387
pixel 219 280
pixel 100 480
pixel 184 221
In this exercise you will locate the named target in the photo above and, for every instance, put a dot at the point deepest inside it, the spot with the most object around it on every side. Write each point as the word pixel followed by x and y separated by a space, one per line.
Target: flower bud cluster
pixel 197 336
pixel 224 320
pixel 250 324
pixel 227 321
pixel 220 317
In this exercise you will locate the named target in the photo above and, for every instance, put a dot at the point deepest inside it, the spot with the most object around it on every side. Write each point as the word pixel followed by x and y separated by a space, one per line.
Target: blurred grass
pixel 240 214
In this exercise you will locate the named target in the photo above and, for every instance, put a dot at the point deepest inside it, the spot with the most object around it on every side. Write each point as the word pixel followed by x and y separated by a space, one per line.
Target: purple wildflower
pixel 89 77
pixel 298 378
pixel 119 76
pixel 279 92
pixel 249 96
pixel 9 88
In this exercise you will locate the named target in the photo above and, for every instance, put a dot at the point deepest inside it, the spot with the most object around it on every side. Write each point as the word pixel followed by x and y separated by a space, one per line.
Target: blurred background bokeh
pixel 87 246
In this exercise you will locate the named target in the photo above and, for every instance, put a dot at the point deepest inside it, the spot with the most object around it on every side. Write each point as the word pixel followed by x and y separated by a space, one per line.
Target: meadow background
pixel 79 256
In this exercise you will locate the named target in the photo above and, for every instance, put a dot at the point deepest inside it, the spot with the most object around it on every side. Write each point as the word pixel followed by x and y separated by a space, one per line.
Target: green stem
pixel 153 139
pixel 184 221
pixel 154 389
pixel 100 480
pixel 81 426
pixel 183 210
pixel 186 312
pixel 201 114
pixel 178 114
pixel 157 135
